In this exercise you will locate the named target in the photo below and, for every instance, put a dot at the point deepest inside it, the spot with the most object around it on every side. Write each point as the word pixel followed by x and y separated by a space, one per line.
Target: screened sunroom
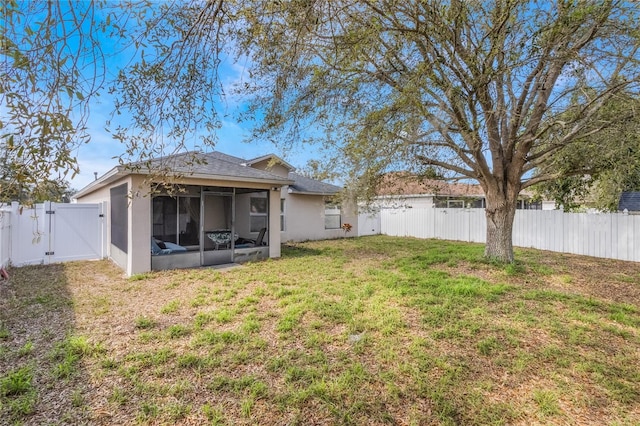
pixel 207 219
pixel 209 225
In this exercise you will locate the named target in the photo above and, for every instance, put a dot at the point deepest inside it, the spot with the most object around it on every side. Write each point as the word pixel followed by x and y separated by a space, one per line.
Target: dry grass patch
pixel 372 330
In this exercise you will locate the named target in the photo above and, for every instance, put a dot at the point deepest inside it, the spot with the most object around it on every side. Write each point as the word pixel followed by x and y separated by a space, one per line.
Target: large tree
pixel 482 90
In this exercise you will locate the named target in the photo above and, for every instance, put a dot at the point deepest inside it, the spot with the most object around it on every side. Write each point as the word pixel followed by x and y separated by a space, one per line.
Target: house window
pixel 444 202
pixel 477 203
pixel 258 213
pixel 526 204
pixel 282 221
pixel 332 219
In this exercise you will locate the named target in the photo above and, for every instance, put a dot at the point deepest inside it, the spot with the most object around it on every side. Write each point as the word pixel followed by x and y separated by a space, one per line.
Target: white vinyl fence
pixel 610 235
pixel 368 223
pixel 51 233
pixel 5 236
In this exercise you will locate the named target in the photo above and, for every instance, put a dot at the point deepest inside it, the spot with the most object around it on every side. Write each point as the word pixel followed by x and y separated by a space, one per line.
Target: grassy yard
pixel 375 330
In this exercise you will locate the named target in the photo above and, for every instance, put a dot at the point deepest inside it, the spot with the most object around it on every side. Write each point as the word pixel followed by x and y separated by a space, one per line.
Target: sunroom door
pixel 218 233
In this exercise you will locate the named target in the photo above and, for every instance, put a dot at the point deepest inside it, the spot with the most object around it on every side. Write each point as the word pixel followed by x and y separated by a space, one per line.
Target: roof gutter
pixel 276 181
pixel 293 191
pixel 120 171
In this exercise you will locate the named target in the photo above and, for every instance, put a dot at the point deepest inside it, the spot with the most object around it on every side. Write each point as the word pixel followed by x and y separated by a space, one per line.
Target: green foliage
pixel 171 307
pixel 214 414
pixel 605 163
pixel 144 323
pixel 358 331
pixel 4 331
pixel 68 353
pixel 16 382
pixel 53 66
pixel 14 188
pixel 177 330
pixel 26 349
pixel 139 277
pixel 17 392
pixel 148 411
pixel 452 89
pixel 547 402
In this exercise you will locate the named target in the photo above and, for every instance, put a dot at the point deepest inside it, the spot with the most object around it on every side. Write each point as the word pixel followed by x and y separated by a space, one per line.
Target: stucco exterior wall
pixel 304 218
pixel 139 244
pixel 275 237
pixel 138 257
pixel 277 169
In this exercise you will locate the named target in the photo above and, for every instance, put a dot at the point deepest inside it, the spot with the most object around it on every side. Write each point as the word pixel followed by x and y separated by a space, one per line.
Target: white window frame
pixel 330 210
pixel 455 204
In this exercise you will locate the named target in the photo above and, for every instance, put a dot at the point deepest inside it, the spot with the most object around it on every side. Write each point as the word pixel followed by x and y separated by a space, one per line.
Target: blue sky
pixel 100 155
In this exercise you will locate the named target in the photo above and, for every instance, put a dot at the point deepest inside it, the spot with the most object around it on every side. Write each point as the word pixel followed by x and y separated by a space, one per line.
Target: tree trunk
pixel 500 212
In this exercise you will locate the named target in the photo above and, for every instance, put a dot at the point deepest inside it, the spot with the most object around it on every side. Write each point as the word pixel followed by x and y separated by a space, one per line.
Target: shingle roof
pixel 213 164
pixel 219 166
pixel 269 157
pixel 305 185
pixel 407 184
pixel 629 201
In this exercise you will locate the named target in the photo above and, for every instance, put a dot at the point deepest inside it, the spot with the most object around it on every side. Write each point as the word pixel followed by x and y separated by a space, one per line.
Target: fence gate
pixel 57 232
pixel 75 232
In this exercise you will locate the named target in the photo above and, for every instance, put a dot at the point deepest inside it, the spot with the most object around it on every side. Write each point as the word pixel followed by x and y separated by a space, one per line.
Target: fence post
pixel 5 235
pixel 14 238
pixel 48 218
pixel 103 230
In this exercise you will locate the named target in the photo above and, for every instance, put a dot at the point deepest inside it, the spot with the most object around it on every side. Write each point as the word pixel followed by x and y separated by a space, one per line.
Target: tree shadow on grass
pixel 41 378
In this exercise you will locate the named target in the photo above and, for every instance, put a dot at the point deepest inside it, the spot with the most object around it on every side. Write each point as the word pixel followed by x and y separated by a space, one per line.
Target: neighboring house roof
pixel 398 184
pixel 305 185
pixel 629 201
pixel 402 184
